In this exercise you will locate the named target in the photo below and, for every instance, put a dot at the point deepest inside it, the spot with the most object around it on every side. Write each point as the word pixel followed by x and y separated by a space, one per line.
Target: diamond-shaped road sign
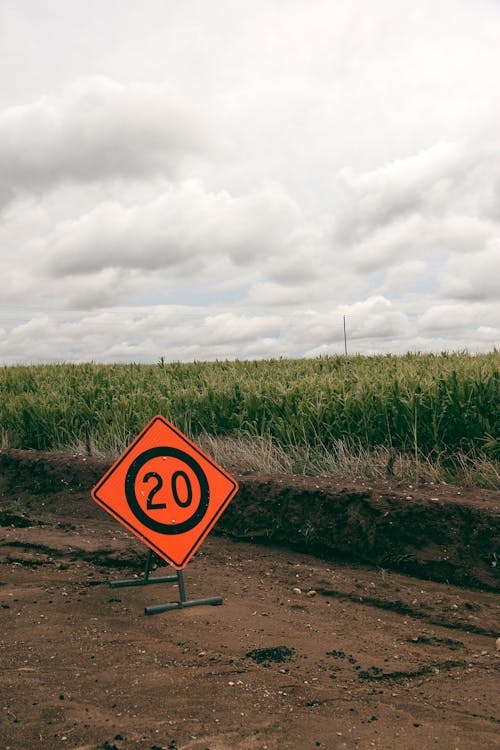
pixel 166 491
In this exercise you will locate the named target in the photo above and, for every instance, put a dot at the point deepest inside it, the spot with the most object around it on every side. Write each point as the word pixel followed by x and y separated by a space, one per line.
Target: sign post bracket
pixel 147 580
pixel 178 578
pixel 184 602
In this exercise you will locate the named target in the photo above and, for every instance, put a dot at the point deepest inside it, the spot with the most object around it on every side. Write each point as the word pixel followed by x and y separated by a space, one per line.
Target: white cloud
pixel 394 192
pixel 228 328
pixel 182 332
pixel 196 185
pixel 269 294
pixel 454 317
pixel 375 318
pixel 473 277
pixel 180 230
pixel 97 129
pixel 426 206
pixel 405 276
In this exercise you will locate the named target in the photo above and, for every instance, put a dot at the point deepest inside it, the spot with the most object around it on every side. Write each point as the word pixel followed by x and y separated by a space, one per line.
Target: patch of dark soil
pixel 18 520
pixel 275 654
pixel 124 558
pixel 448 642
pixel 406 609
pixel 28 562
pixel 47 472
pixel 375 674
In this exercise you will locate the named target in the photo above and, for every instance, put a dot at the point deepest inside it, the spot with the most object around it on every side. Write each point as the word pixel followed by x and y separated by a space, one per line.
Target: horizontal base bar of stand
pixel 142 581
pixel 155 609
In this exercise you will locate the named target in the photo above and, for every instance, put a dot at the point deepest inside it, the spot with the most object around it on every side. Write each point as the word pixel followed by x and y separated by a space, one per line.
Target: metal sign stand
pixel 178 578
pixel 147 580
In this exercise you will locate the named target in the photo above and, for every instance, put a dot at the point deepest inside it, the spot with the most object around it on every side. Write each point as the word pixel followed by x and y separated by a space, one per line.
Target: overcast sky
pixel 229 179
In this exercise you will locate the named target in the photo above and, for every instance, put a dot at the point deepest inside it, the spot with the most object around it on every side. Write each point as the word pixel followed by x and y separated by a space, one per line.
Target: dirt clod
pixel 276 653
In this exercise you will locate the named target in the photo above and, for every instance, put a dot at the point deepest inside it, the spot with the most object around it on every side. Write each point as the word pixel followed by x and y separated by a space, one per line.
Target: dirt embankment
pixel 438 532
pixel 435 531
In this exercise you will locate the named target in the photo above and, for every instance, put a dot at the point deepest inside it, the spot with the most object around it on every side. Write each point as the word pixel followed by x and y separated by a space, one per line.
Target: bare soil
pixel 324 639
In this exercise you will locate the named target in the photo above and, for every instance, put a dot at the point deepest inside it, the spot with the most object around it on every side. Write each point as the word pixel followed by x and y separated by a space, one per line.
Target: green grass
pixel 424 406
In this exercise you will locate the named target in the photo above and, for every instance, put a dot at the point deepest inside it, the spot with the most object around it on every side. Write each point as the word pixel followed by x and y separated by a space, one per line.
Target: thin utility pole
pixel 345 339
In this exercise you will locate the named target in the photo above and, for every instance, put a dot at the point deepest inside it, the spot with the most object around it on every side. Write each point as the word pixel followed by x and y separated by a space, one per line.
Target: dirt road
pixel 303 653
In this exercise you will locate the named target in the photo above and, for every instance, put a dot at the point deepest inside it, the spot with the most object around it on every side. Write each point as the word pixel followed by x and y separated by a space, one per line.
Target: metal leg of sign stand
pixel 184 602
pixel 147 580
pixel 178 578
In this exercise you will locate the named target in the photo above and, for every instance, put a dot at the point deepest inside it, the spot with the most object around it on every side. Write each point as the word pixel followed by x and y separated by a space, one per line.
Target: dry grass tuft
pixel 246 454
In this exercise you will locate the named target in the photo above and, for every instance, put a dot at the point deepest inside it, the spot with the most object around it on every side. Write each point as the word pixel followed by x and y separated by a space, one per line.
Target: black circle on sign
pixel 166 528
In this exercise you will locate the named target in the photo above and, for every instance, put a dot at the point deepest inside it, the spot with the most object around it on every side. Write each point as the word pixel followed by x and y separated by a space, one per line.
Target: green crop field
pixel 429 408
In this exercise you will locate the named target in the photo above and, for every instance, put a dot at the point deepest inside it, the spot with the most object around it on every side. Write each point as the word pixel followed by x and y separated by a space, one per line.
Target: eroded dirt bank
pixel 304 653
pixel 435 531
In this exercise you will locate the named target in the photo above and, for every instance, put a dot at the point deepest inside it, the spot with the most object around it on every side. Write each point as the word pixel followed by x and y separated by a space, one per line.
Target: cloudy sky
pixel 225 179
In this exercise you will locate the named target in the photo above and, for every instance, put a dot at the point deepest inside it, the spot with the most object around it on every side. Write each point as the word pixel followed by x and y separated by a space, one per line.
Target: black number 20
pixel 159 484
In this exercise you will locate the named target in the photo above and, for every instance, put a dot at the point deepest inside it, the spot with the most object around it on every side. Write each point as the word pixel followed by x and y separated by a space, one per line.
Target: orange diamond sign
pixel 166 491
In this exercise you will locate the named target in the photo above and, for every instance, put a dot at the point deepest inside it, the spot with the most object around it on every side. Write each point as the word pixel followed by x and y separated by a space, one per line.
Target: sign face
pixel 166 491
